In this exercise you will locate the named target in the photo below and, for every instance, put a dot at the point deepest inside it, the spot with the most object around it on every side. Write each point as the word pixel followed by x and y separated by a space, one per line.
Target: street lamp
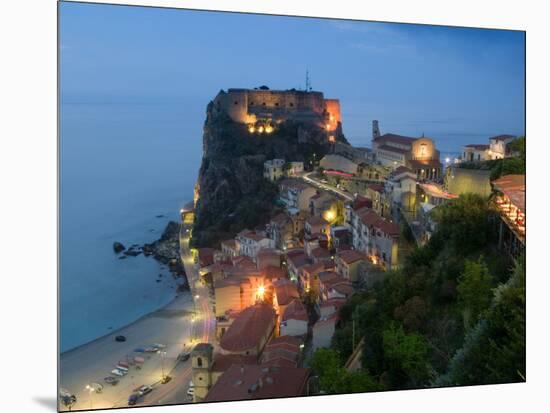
pixel 162 354
pixel 90 391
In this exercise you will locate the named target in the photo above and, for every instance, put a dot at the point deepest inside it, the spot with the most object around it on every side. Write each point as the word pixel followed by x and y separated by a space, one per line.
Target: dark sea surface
pixel 121 165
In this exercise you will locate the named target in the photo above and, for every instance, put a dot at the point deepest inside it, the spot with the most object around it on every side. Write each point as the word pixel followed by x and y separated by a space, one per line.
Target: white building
pixel 498 144
pixel 294 320
pixel 295 168
pixel 296 195
pixel 273 169
pixel 250 242
pixel 376 237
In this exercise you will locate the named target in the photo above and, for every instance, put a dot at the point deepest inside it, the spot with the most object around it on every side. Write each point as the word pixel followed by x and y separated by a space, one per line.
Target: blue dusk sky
pixel 456 85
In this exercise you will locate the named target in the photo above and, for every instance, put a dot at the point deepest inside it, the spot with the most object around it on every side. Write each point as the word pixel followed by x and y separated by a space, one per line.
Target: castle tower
pixel 201 364
pixel 375 129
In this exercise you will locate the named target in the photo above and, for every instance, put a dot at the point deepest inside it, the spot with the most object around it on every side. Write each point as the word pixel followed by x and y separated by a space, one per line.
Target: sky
pixel 456 85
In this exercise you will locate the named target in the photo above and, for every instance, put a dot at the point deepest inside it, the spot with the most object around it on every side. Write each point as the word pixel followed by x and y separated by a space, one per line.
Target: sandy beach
pixel 92 362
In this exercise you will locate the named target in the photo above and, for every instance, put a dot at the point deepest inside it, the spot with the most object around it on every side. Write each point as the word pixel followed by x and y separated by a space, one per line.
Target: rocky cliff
pixel 233 194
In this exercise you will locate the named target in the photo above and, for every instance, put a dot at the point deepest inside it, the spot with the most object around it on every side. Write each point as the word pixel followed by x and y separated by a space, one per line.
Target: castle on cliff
pixel 265 106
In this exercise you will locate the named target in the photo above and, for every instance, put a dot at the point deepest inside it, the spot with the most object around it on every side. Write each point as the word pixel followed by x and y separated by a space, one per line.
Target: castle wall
pixel 248 106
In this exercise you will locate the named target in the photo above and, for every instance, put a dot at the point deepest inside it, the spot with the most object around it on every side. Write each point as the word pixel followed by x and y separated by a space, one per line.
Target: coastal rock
pixel 118 247
pixel 233 194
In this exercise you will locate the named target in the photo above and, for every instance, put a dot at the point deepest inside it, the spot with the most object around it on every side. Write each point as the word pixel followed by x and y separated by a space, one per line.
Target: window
pixel 291 104
pixel 199 361
pixel 236 102
pixel 263 103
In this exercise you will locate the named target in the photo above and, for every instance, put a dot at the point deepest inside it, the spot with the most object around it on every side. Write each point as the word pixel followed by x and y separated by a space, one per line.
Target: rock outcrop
pixel 233 194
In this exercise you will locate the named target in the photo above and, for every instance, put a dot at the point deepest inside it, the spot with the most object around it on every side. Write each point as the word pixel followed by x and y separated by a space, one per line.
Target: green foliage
pixel 507 166
pixel 517 146
pixel 474 290
pixel 334 378
pixel 405 355
pixel 464 222
pixel 494 349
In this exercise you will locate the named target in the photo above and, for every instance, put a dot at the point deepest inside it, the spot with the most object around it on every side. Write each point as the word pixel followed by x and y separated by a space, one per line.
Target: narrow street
pixel 307 177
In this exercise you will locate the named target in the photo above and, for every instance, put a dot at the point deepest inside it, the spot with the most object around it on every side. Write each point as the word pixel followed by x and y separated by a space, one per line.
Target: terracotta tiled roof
pixel 390 148
pixel 361 202
pixel 390 137
pixel 376 187
pixel 295 311
pixel 248 328
pixel 206 256
pixel 513 186
pixel 285 291
pixel 298 260
pixel 479 147
pixel 258 382
pixel 314 268
pixel 222 362
pixel 502 137
pixel 401 170
pixel 280 219
pixel 243 261
pixel 320 253
pixel 351 256
pixel 253 235
pixel 316 221
pixel 229 243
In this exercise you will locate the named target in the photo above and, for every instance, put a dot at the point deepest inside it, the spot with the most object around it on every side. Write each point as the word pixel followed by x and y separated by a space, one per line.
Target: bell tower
pixel 201 364
pixel 375 129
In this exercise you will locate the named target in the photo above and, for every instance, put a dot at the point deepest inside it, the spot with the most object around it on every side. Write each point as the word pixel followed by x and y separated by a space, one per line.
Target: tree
pixel 474 290
pixel 464 222
pixel 406 356
pixel 334 378
pixel 494 349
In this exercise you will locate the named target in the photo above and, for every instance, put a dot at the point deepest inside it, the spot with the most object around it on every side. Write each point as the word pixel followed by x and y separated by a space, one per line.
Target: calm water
pixel 121 166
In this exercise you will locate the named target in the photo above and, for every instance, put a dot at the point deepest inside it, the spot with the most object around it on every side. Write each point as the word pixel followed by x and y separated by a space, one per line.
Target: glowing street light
pixel 90 390
pixel 251 129
pixel 447 160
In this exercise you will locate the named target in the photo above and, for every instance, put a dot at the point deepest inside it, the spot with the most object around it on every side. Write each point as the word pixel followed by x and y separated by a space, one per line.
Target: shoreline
pixel 116 332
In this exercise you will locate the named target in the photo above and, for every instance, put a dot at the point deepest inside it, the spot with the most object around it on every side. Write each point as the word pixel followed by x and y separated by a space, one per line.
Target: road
pixel 307 177
pixel 187 320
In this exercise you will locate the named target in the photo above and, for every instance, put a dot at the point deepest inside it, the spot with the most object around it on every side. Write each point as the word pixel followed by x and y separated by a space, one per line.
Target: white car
pixel 191 392
pixel 119 373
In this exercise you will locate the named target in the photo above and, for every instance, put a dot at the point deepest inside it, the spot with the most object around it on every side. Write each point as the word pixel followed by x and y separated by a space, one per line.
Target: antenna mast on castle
pixel 308 82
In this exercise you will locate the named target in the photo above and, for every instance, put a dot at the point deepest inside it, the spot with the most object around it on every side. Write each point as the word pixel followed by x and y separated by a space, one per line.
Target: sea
pixel 126 169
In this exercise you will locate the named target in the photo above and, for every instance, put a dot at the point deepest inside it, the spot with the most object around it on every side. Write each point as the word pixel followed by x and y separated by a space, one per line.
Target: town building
pixel 230 248
pixel 376 237
pixel 510 202
pixel 295 168
pixel 283 351
pixel 476 152
pixel 281 230
pixel 250 382
pixel 400 191
pixel 274 169
pixel 333 285
pixel 250 331
pixel 325 205
pixel 460 180
pixel 296 260
pixel 316 225
pixel 418 154
pixel 332 162
pixel 496 149
pixel 349 264
pixel 294 320
pixel 262 108
pixel 201 363
pixel 250 242
pixel 295 194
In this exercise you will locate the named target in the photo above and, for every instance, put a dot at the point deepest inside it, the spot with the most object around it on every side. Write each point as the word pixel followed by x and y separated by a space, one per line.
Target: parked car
pixel 111 380
pixel 143 390
pixel 120 339
pixel 151 350
pixel 190 392
pixel 119 373
pixel 133 399
pixel 159 346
